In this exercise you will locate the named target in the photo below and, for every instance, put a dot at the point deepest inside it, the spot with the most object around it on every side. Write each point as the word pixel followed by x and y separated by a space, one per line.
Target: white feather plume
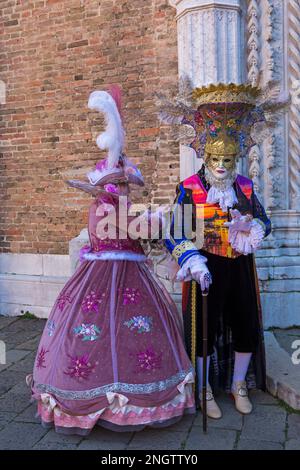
pixel 112 139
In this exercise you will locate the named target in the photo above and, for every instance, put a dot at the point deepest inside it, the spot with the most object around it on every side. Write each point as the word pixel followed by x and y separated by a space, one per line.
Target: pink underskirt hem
pixel 122 417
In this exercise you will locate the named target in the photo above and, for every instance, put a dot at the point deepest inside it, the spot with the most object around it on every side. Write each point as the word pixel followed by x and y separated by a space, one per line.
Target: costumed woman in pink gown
pixel 112 351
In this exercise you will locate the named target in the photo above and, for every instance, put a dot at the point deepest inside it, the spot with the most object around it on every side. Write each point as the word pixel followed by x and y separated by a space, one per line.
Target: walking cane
pixel 204 357
pixel 194 346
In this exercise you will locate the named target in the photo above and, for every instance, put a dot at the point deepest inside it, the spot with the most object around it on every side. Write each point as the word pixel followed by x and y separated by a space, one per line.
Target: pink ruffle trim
pixel 126 415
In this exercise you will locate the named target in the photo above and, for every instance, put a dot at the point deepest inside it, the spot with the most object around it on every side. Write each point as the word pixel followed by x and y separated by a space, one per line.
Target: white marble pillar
pixel 210 50
pixel 259 41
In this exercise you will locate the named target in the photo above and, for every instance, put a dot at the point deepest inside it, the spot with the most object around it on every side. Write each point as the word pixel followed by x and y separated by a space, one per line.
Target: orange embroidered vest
pixel 215 234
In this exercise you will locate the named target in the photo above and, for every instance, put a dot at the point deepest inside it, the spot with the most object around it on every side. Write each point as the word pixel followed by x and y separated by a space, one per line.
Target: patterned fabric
pixel 117 333
pixel 192 193
pixel 222 360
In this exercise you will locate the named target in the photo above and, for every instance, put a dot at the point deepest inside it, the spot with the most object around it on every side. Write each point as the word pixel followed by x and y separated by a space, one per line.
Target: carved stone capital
pixel 185 6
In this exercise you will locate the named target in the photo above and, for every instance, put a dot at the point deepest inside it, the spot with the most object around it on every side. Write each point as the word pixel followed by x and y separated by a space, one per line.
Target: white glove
pixel 195 269
pixel 239 222
pixel 245 234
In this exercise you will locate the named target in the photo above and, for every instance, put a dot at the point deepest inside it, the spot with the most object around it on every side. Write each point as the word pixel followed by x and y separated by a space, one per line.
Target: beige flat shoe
pixel 212 408
pixel 240 394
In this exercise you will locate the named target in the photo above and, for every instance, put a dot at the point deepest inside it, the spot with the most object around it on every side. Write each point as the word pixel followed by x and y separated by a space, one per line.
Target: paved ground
pixel 271 426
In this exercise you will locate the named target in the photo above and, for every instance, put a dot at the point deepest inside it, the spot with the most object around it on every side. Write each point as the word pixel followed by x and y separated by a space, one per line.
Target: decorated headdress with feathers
pixel 112 139
pixel 116 166
pixel 228 117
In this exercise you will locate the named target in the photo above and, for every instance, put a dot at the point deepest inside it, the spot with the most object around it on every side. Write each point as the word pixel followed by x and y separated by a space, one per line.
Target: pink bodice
pixel 100 208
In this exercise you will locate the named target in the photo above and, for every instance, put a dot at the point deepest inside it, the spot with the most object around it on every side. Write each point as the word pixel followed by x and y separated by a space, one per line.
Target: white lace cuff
pixel 247 243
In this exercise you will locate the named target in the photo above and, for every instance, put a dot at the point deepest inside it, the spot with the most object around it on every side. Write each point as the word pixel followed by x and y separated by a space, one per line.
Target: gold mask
pixel 221 166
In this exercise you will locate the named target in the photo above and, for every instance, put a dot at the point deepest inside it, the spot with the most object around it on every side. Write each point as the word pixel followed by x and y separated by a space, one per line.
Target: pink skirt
pixel 112 353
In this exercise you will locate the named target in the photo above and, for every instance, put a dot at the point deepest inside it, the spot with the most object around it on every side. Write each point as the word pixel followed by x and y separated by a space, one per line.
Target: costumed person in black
pixel 227 212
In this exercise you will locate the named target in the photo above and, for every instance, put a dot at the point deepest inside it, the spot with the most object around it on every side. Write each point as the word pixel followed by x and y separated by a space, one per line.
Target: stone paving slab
pixel 260 398
pixel 28 415
pixel 252 444
pixel 231 418
pixel 158 439
pixel 9 378
pixel 103 439
pixel 14 402
pixel 12 340
pixel 54 446
pixel 15 355
pixel 266 423
pixel 31 344
pixel 52 437
pixel 293 430
pixel 20 436
pixel 5 418
pixel 25 365
pixel 184 425
pixel 6 321
pixel 215 439
pixel 292 444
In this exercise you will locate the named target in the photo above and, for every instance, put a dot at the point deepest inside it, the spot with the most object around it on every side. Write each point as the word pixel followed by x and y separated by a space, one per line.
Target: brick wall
pixel 52 55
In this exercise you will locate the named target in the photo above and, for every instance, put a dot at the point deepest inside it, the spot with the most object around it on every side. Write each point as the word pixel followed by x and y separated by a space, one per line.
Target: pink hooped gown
pixel 112 352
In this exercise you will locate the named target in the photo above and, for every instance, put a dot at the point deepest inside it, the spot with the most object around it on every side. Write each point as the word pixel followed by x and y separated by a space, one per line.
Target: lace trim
pixel 114 256
pixel 115 387
pixel 246 243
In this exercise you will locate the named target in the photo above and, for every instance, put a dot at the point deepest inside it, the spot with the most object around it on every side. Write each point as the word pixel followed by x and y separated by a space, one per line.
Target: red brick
pixel 52 58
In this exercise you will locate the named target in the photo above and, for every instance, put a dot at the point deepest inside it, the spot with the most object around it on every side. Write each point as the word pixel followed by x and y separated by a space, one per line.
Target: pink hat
pixel 116 167
pixel 125 171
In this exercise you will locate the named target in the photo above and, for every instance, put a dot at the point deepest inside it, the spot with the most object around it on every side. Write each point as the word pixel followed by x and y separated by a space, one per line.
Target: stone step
pixel 283 376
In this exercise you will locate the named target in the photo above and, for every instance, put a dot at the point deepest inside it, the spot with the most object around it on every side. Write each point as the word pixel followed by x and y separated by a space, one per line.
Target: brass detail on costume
pixel 182 248
pixel 222 146
pixel 212 408
pixel 240 395
pixel 226 93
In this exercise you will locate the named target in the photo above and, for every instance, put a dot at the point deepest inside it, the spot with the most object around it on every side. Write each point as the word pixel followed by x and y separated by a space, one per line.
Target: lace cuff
pixel 247 243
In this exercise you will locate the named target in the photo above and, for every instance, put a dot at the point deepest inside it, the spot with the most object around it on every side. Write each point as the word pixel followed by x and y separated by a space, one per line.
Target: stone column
pixel 210 50
pixel 273 54
pixel 258 41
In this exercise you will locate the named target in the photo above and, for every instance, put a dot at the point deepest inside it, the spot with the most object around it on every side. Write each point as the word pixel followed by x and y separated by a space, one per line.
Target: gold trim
pixel 222 146
pixel 184 246
pixel 193 325
pixel 226 93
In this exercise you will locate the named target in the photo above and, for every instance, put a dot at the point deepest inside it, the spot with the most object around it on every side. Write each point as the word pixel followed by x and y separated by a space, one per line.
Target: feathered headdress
pixel 228 117
pixel 112 139
pixel 116 166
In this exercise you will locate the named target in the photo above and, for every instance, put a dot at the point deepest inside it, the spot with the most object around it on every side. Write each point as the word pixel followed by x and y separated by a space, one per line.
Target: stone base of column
pixel 279 276
pixel 31 282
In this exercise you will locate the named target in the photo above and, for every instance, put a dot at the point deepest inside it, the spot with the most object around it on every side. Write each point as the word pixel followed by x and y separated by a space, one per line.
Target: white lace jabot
pixel 224 197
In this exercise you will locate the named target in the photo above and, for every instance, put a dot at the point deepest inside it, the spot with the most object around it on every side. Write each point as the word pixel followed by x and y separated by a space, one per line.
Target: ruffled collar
pixel 219 192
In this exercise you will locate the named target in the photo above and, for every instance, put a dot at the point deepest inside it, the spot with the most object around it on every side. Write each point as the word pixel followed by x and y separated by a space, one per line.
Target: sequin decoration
pixel 148 360
pixel 40 361
pixel 80 368
pixel 62 300
pixel 91 302
pixel 131 296
pixel 140 323
pixel 50 327
pixel 88 332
